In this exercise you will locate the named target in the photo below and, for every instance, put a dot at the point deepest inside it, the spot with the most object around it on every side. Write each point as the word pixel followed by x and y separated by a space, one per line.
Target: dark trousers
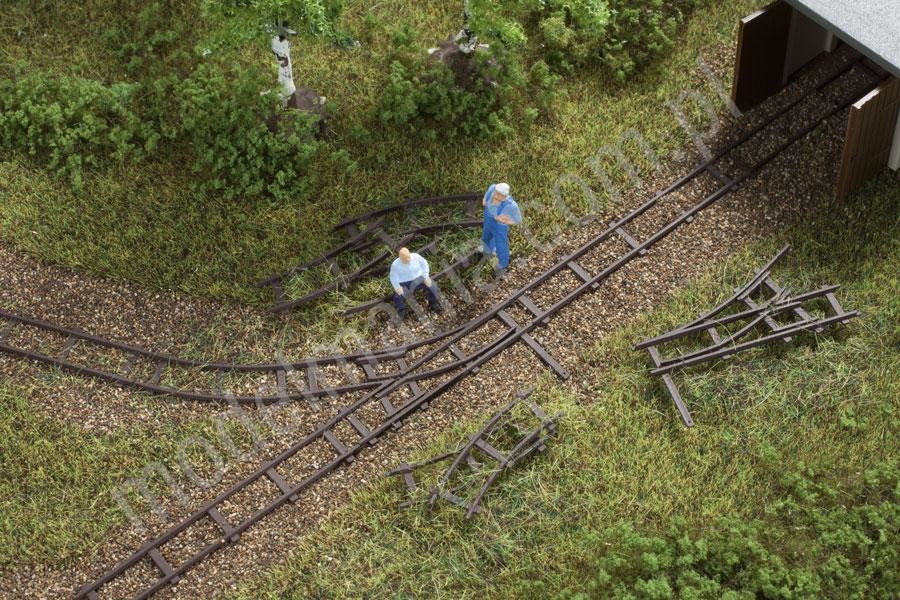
pixel 412 287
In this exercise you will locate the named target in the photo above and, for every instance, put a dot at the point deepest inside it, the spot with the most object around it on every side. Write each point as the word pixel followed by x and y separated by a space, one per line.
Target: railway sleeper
pixel 770 322
pixel 161 366
pixel 227 529
pixel 836 307
pixel 670 386
pixel 722 178
pixel 535 346
pixel 582 274
pixel 338 445
pixel 628 239
pixel 777 290
pixel 67 347
pixel 534 309
pixel 163 565
pixel 276 478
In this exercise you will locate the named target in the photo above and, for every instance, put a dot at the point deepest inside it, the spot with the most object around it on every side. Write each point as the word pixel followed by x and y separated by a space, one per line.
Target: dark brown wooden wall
pixel 870 133
pixel 761 54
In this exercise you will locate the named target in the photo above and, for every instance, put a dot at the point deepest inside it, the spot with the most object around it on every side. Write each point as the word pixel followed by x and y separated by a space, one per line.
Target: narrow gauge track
pixel 363 422
pixel 367 234
pixel 301 380
pixel 781 313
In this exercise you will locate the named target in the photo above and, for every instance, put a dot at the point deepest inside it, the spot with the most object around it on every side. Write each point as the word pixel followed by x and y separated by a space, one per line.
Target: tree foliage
pixel 620 35
pixel 239 22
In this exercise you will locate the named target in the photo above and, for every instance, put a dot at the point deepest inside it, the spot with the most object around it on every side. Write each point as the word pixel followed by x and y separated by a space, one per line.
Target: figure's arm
pixel 487 195
pixel 426 272
pixel 423 264
pixel 512 215
pixel 395 280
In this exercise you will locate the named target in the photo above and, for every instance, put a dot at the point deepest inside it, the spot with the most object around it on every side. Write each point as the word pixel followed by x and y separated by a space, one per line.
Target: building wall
pixel 806 40
pixel 894 161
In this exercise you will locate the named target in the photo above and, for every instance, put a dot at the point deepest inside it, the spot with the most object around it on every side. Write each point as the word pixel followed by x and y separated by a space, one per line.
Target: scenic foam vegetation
pixel 787 487
pixel 134 145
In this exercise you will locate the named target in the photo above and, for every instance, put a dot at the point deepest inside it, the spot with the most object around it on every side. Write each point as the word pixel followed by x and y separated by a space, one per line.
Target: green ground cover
pixel 56 481
pixel 54 510
pixel 786 488
pixel 143 221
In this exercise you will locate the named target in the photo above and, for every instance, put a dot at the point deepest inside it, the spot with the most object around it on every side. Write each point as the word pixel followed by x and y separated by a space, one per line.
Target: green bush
pixel 150 40
pixel 831 543
pixel 545 89
pixel 207 111
pixel 71 123
pixel 223 120
pixel 494 20
pixel 422 96
pixel 620 35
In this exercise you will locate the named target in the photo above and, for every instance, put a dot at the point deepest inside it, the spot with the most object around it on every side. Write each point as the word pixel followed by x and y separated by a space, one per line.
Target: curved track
pixel 367 237
pixel 443 361
pixel 394 382
pixel 160 373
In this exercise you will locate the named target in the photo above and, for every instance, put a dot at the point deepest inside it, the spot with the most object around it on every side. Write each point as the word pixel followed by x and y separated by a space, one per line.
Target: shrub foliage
pixel 186 94
pixel 176 101
pixel 423 96
pixel 622 35
pixel 828 543
pixel 71 123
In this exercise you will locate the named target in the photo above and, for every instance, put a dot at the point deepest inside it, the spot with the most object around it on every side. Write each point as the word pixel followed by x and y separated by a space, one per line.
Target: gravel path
pixel 783 194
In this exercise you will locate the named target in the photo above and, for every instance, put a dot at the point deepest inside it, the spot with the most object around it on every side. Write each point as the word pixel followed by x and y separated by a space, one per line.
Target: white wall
pixel 805 41
pixel 894 161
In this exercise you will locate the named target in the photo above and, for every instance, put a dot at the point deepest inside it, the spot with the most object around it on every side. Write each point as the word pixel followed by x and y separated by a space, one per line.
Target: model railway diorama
pixel 797 52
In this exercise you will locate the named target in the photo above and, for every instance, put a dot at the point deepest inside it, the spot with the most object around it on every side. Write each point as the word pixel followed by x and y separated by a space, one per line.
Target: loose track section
pixel 435 368
pixel 778 313
pixel 527 443
pixel 368 239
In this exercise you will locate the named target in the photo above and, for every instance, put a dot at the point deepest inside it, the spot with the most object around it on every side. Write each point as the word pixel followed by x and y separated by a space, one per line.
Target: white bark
pixel 281 48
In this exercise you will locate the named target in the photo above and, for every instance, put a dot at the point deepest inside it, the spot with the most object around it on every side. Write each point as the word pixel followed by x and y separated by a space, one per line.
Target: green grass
pixel 51 510
pixel 792 467
pixel 146 225
pixel 623 457
pixel 56 480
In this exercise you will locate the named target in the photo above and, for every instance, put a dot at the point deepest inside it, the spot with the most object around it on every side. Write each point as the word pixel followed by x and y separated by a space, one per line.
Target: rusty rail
pixel 444 363
pixel 768 313
pixel 529 443
pixel 471 200
pixel 70 341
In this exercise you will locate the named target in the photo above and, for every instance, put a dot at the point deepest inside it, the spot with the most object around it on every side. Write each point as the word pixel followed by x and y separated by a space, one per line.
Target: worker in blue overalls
pixel 410 272
pixel 500 211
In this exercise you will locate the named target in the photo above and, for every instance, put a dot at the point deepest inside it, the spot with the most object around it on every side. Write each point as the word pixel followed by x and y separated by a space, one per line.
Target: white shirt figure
pixel 281 48
pixel 404 272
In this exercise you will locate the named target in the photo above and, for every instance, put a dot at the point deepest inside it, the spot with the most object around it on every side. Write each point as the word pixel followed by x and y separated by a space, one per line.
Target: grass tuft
pixel 793 461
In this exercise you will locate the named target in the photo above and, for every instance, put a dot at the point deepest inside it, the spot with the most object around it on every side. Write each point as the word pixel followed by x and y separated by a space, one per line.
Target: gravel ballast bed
pixel 782 194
